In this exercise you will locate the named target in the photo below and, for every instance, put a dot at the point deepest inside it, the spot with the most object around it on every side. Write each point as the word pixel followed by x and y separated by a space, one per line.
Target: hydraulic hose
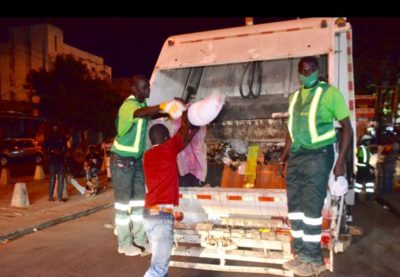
pixel 254 71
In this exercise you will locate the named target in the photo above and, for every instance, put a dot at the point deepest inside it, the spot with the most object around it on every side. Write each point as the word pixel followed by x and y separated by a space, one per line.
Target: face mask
pixel 310 80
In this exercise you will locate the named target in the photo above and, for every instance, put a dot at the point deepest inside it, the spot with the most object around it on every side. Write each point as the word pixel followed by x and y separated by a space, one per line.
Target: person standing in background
pixel 92 167
pixel 364 178
pixel 55 147
pixel 389 165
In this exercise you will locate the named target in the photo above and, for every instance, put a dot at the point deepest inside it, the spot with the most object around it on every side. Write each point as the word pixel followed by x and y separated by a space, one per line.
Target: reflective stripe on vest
pixel 136 143
pixel 311 118
pixel 365 156
pixel 291 107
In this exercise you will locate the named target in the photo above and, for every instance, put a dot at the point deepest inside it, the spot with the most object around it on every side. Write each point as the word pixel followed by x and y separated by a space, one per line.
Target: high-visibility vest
pixel 363 156
pixel 133 142
pixel 306 128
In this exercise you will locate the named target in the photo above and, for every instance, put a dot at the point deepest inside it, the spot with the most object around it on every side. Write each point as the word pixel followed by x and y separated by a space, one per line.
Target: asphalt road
pixel 85 247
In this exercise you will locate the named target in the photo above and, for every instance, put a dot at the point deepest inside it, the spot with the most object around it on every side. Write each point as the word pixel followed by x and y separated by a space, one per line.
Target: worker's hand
pixel 338 170
pixel 173 108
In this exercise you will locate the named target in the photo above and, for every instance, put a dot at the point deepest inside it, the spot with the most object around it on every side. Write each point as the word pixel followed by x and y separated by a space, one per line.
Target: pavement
pixel 41 213
pixel 390 202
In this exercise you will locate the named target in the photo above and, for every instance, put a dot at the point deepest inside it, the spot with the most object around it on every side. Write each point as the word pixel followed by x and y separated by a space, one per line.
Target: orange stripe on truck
pixel 266 199
pixel 203 196
pixel 247 34
pixel 267 32
pixel 293 29
pixel 234 197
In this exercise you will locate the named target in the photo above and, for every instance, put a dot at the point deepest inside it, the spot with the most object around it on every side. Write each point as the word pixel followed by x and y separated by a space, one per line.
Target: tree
pixel 69 94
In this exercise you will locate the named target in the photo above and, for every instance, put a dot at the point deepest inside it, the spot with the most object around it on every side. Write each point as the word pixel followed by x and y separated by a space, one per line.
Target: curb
pixel 28 230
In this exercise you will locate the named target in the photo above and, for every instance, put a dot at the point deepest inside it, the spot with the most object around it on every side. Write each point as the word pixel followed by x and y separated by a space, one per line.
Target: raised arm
pixel 147 111
pixel 187 130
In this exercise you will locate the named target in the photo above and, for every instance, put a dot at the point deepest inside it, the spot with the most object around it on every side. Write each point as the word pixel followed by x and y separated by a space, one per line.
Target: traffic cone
pixel 39 173
pixel 20 196
pixel 5 176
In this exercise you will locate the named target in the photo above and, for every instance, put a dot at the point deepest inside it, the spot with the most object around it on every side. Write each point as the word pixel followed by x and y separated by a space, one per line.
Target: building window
pixel 55 43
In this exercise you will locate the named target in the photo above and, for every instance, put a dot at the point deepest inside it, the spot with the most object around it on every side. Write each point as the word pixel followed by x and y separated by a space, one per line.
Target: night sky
pixel 132 45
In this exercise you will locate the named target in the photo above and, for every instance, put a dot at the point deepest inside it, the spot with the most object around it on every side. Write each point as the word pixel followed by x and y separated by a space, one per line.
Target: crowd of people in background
pixel 70 155
pixel 376 165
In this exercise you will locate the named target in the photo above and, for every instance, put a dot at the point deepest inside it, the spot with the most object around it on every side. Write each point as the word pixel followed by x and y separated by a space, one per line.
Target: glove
pixel 173 108
pixel 338 187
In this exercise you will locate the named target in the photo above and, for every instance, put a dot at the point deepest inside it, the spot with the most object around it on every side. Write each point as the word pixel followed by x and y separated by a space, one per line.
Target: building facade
pixel 33 47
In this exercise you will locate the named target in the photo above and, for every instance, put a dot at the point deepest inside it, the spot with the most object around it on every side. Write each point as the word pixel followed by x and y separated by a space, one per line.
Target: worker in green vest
pixel 126 164
pixel 310 154
pixel 364 177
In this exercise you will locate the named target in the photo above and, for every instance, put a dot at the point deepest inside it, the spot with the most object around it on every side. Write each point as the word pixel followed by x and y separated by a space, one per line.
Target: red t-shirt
pixel 161 172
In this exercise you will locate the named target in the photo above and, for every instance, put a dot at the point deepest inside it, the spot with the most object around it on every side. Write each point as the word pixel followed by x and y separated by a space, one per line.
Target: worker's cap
pixel 366 137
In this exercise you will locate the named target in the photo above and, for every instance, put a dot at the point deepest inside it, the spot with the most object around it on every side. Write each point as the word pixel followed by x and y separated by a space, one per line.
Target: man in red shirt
pixel 162 191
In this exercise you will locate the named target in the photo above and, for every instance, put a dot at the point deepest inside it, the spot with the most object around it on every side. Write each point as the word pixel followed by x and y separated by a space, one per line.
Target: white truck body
pixel 250 224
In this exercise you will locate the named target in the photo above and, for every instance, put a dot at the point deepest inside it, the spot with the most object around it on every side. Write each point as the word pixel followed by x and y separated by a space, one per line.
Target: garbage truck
pixel 236 219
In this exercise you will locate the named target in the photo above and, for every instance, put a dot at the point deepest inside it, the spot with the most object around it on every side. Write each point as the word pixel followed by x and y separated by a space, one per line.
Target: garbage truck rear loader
pixel 240 214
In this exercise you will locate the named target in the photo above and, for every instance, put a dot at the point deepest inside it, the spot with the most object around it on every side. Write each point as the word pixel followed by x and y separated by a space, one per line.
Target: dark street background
pixel 131 45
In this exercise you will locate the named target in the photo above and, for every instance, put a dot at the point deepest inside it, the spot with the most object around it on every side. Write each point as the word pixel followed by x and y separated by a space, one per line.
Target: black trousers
pixel 307 179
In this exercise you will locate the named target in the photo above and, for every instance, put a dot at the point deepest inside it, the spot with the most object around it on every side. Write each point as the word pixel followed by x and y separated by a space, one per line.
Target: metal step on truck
pixel 238 221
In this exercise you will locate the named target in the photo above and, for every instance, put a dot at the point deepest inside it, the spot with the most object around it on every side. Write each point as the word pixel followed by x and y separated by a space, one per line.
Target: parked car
pixel 19 150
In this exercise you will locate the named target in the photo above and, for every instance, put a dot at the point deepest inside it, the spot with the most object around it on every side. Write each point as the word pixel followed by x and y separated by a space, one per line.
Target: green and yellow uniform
pixel 311 126
pixel 127 173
